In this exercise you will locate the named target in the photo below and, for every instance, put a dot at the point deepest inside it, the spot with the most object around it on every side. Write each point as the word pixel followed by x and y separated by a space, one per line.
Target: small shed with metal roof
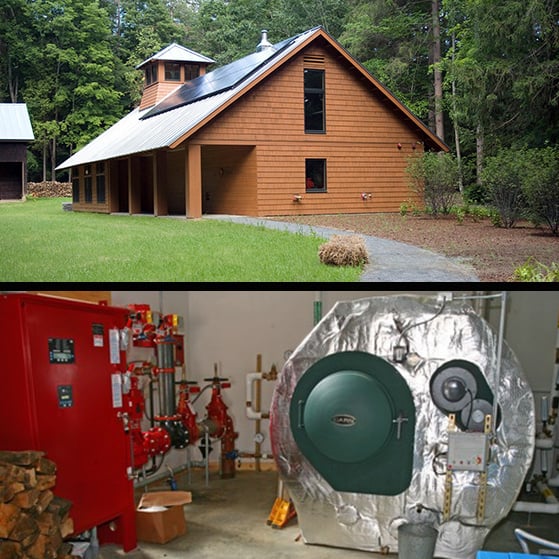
pixel 296 127
pixel 15 133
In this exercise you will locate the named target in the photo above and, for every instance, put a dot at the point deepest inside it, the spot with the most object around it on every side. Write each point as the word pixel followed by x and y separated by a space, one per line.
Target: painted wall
pixel 229 328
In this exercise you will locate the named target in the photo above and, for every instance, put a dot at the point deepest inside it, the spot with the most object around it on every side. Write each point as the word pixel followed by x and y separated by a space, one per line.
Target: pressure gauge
pixel 259 438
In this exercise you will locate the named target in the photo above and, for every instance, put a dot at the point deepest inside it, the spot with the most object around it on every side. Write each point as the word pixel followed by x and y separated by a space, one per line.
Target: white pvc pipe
pixel 544 444
pixel 527 506
pixel 251 413
pixel 521 536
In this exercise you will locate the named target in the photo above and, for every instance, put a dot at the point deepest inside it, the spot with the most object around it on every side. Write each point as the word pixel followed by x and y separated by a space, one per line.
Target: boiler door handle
pixel 399 420
pixel 300 407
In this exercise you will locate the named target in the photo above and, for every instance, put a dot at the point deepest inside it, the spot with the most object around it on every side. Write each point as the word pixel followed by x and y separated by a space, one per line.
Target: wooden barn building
pixel 297 127
pixel 15 133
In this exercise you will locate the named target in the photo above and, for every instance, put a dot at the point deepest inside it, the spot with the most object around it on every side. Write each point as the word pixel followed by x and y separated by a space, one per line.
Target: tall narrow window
pixel 100 180
pixel 151 74
pixel 315 121
pixel 315 175
pixel 87 183
pixel 76 189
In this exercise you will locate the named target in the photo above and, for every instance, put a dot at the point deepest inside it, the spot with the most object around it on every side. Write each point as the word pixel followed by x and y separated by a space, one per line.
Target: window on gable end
pixel 315 118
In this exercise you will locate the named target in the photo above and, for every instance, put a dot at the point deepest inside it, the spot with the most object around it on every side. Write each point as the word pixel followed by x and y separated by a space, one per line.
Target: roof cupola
pixel 168 69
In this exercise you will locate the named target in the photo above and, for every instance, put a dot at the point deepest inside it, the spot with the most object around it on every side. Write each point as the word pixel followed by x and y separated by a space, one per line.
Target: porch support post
pixel 155 186
pixel 194 181
pixel 160 183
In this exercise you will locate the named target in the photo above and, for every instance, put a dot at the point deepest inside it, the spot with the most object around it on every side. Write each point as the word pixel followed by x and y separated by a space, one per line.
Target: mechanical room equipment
pixel 173 420
pixel 403 410
pixel 62 394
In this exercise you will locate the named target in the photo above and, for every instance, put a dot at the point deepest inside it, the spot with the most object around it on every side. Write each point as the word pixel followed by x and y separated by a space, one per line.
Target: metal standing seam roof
pixel 15 124
pixel 177 53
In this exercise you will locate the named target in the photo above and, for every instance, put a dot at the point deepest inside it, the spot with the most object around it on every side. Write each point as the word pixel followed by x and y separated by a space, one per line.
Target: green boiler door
pixel 352 416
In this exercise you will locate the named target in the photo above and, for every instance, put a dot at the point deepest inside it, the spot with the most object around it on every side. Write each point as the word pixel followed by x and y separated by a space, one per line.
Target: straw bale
pixel 344 250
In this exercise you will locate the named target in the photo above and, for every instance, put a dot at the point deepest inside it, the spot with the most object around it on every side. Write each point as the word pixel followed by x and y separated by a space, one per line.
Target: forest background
pixel 482 74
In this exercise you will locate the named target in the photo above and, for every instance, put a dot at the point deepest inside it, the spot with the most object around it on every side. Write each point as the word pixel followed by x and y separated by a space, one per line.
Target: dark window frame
pixel 100 183
pixel 315 101
pixel 172 72
pixel 316 175
pixel 76 189
pixel 191 71
pixel 87 185
pixel 151 74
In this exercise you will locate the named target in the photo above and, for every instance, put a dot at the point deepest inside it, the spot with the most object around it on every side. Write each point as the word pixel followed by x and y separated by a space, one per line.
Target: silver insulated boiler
pixel 403 410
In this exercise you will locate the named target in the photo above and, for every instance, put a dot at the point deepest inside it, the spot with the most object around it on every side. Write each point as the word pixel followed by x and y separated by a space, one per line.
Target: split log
pixel 44 500
pixel 23 458
pixel 25 530
pixel 45 466
pixel 26 499
pixel 45 481
pixel 10 550
pixel 10 490
pixel 9 515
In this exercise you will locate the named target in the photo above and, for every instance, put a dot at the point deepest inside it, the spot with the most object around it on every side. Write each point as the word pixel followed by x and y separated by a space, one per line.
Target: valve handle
pixel 216 379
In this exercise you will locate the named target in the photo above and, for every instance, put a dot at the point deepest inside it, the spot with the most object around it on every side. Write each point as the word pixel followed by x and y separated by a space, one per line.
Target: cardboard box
pixel 160 515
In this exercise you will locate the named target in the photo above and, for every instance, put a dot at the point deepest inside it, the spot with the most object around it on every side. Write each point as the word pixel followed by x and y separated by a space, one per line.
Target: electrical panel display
pixel 65 398
pixel 61 350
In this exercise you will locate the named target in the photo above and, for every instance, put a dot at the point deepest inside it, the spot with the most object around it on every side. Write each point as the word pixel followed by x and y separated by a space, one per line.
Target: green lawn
pixel 41 242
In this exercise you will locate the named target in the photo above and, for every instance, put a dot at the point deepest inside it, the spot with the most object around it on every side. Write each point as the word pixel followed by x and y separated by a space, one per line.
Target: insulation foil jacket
pixel 432 337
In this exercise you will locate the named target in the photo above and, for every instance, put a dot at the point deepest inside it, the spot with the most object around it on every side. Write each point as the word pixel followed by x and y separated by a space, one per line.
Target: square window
pixel 172 72
pixel 315 175
pixel 191 71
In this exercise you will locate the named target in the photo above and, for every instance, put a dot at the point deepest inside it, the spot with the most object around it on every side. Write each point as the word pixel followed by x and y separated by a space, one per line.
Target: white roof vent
pixel 264 44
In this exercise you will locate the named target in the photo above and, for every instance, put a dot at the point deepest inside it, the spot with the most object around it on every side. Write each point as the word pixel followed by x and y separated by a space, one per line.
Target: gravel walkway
pixel 388 260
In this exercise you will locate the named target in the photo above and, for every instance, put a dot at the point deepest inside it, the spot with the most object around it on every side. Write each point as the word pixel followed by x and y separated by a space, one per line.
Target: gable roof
pixel 184 111
pixel 177 53
pixel 15 125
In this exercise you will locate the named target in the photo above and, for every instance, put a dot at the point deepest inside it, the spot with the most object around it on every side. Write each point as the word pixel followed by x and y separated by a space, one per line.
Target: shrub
pixel 502 177
pixel 541 186
pixel 434 176
pixel 532 270
pixel 344 250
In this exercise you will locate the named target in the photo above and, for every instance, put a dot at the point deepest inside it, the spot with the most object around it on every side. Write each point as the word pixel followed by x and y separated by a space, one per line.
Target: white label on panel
pixel 116 385
pixel 114 345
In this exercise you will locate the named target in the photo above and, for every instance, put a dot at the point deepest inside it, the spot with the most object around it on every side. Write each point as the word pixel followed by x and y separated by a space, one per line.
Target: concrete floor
pixel 227 519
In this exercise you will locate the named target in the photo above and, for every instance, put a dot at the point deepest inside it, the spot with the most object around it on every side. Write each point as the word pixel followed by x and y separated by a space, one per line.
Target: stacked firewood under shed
pixel 33 521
